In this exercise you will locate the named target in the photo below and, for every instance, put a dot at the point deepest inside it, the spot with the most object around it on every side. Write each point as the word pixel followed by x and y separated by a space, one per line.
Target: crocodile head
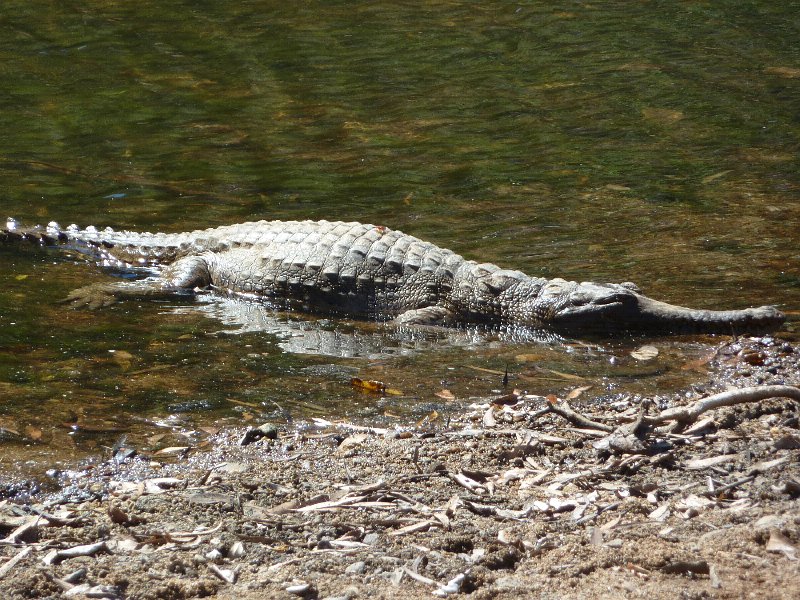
pixel 609 308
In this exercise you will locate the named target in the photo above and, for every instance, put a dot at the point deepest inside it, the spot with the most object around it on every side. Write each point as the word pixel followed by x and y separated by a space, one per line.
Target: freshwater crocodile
pixel 370 271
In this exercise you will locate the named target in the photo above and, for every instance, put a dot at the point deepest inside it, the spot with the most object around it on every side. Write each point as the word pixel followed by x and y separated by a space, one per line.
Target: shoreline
pixel 514 497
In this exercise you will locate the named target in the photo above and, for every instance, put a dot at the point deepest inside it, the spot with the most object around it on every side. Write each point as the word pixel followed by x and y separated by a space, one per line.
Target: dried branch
pixel 11 562
pixel 563 409
pixel 688 414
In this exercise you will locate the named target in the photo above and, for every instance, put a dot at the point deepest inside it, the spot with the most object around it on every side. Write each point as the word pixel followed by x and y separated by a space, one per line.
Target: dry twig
pixel 688 414
pixel 11 562
pixel 565 410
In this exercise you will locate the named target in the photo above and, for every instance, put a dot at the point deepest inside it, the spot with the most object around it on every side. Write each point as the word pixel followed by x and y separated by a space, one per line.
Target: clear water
pixel 651 142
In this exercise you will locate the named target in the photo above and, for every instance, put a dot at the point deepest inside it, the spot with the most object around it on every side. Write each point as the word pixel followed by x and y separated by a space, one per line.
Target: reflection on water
pixel 336 338
pixel 645 142
pixel 157 375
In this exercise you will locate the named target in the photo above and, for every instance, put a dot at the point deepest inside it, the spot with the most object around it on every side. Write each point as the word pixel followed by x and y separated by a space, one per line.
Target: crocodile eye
pixel 631 286
pixel 579 298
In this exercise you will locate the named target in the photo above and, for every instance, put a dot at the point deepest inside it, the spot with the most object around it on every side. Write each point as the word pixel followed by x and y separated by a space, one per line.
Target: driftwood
pixel 688 414
pixel 11 562
pixel 681 415
pixel 565 410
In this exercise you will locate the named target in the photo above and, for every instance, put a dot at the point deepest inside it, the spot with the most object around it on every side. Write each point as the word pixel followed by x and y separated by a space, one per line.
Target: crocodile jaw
pixel 612 308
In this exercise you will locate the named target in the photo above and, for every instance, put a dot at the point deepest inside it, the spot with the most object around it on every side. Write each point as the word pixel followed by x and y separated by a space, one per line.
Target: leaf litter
pixel 518 495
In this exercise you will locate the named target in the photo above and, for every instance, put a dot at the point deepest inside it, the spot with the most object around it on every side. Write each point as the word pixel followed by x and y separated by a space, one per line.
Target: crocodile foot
pixel 94 296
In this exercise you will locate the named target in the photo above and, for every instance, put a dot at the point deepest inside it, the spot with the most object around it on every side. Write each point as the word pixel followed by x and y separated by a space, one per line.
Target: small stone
pixel 236 550
pixel 305 590
pixel 267 430
pixel 769 522
pixel 357 568
pixel 76 576
pixel 213 554
pixel 371 538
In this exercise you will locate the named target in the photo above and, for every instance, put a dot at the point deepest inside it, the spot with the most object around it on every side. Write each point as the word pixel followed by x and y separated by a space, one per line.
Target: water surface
pixel 652 142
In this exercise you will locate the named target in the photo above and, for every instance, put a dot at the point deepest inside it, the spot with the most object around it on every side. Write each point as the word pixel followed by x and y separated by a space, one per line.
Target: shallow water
pixel 651 142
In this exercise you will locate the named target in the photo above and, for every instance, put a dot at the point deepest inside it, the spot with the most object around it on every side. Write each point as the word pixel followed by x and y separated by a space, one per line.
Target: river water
pixel 654 142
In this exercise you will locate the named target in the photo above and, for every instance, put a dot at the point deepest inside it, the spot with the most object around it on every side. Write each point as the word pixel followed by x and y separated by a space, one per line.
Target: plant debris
pixel 517 495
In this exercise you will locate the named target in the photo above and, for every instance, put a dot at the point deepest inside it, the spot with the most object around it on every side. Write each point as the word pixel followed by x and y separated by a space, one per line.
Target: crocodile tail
pixel 83 241
pixel 113 248
pixel 51 235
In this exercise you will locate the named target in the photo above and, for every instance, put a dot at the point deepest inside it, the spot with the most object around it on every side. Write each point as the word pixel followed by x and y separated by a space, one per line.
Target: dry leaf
pixel 780 543
pixel 428 418
pixel 578 391
pixel 351 442
pixel 445 395
pixel 645 353
pixel 413 528
pixel 33 433
pixel 375 387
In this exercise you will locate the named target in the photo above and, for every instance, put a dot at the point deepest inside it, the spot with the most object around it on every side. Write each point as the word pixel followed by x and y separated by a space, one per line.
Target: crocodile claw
pixel 92 297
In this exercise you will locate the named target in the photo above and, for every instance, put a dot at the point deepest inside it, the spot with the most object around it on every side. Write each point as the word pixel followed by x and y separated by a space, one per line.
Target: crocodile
pixel 370 271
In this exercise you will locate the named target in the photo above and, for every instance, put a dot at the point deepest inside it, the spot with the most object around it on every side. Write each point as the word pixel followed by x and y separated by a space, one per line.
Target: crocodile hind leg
pixel 182 277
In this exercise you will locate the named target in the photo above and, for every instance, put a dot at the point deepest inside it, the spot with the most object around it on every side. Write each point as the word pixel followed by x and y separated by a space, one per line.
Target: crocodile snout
pixel 600 295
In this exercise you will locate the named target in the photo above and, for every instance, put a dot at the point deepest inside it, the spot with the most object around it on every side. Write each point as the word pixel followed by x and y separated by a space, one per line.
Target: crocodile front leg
pixel 182 277
pixel 430 315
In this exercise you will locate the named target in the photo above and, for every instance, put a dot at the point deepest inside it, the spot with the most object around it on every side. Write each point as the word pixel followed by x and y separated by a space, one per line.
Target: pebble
pixel 213 554
pixel 236 550
pixel 370 538
pixel 357 568
pixel 300 589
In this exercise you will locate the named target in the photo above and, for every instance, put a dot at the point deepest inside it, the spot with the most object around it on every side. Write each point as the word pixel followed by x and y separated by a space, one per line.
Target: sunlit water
pixel 650 142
